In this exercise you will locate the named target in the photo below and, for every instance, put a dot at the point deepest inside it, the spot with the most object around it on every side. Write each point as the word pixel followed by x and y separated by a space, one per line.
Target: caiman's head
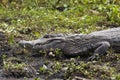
pixel 33 44
pixel 25 44
pixel 42 44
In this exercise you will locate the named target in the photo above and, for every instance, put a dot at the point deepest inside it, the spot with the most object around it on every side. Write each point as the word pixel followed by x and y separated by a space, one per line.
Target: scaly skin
pixel 78 44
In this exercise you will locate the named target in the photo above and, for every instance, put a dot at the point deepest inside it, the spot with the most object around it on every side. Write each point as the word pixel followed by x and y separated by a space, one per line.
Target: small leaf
pixel 37 34
pixel 11 39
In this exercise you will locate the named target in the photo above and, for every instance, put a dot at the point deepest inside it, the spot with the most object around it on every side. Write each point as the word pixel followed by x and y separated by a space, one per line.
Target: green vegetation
pixel 41 16
pixel 14 66
pixel 30 19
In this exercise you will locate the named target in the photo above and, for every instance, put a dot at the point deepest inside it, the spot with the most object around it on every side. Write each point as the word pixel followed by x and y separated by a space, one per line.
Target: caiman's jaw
pixel 42 44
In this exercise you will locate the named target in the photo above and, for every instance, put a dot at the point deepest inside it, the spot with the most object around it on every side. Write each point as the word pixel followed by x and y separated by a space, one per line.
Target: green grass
pixel 41 17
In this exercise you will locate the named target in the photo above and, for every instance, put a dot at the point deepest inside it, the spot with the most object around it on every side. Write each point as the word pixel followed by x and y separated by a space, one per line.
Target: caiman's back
pixel 88 42
pixel 109 33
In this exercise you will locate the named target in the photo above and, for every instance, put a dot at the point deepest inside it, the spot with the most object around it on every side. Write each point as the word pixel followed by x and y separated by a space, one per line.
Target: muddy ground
pixel 18 64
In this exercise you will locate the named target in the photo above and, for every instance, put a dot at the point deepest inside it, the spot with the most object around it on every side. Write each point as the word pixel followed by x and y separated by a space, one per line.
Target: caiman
pixel 73 45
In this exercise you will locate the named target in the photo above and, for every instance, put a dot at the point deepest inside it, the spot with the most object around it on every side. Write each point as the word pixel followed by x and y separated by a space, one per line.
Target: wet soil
pixel 17 64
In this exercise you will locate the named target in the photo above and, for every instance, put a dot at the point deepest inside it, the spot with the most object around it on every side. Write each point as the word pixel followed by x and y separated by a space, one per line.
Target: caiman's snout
pixel 25 44
pixel 40 44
